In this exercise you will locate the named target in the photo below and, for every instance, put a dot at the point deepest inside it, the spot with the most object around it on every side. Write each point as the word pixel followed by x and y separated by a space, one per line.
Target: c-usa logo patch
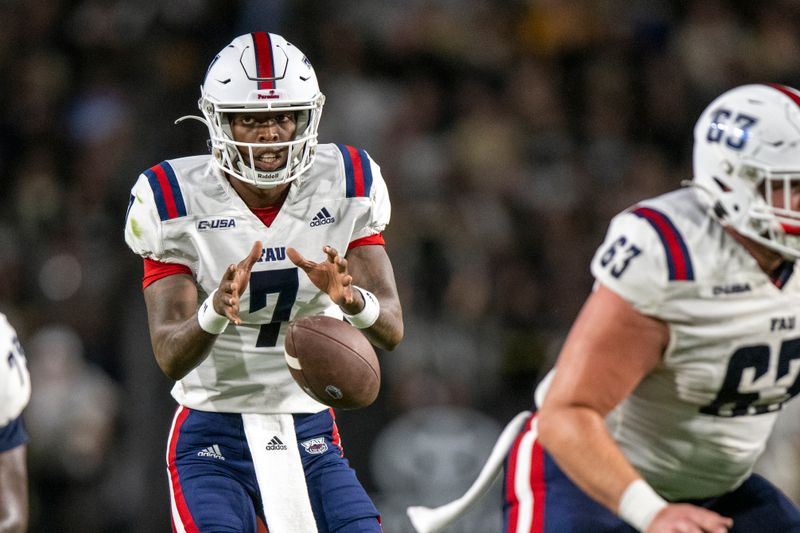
pixel 216 223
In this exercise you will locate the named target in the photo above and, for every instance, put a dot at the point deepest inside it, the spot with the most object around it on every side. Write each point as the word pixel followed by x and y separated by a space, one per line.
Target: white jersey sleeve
pixel 15 383
pixel 632 263
pixel 156 202
pixel 142 225
pixel 362 174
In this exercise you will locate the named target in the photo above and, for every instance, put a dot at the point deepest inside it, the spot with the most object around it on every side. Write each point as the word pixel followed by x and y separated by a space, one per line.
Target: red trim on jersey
pixel 166 190
pixel 180 501
pixel 335 437
pixel 155 270
pixel 369 239
pixel 358 170
pixel 678 260
pixel 267 214
pixel 782 274
pixel 674 249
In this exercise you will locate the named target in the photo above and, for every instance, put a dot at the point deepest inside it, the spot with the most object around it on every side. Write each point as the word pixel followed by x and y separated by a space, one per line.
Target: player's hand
pixel 686 518
pixel 233 284
pixel 330 275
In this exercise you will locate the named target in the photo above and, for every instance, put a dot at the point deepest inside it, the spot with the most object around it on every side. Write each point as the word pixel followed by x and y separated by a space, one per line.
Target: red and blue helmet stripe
pixel 679 262
pixel 265 62
pixel 787 91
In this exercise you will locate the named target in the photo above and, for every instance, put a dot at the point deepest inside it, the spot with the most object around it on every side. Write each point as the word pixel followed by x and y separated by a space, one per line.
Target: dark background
pixel 508 133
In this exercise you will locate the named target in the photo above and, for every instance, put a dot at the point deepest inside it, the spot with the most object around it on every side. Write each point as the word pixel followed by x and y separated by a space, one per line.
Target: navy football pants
pixel 540 498
pixel 214 484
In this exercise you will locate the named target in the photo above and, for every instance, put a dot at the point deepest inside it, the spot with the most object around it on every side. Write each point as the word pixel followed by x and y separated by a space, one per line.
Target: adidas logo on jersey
pixel 276 444
pixel 322 218
pixel 211 451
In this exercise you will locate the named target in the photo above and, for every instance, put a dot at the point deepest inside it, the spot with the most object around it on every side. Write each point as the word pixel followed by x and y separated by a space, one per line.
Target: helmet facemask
pixel 237 157
pixel 780 223
pixel 261 73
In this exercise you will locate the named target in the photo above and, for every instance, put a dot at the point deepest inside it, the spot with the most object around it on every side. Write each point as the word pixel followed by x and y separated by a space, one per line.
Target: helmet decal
pixel 787 91
pixel 261 72
pixel 265 66
pixel 747 163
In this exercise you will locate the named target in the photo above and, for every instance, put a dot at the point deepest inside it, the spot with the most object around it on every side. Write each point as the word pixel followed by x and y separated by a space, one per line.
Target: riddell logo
pixel 270 96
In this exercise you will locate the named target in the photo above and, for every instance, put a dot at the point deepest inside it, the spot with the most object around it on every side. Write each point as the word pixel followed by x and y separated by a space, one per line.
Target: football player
pixel 15 391
pixel 691 336
pixel 268 228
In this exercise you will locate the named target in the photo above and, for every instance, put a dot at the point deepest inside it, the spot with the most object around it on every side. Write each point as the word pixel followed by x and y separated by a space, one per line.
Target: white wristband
pixel 367 316
pixel 639 504
pixel 210 321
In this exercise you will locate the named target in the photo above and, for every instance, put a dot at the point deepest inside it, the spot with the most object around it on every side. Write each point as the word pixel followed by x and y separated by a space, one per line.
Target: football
pixel 333 362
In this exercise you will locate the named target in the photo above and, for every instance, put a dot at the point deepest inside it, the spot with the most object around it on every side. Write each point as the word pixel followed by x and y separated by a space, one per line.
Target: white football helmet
pixel 260 72
pixel 747 144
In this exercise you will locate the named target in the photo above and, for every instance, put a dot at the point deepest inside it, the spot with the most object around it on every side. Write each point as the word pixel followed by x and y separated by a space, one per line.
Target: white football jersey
pixel 15 382
pixel 185 211
pixel 695 426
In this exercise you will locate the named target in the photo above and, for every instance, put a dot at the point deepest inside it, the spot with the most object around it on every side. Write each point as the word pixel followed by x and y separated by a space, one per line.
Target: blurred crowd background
pixel 509 132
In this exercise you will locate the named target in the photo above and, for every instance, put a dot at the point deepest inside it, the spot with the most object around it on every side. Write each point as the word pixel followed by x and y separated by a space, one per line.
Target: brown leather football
pixel 333 362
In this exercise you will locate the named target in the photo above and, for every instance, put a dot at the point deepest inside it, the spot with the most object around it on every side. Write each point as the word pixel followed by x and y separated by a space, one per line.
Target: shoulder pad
pixel 166 191
pixel 642 254
pixel 357 170
pixel 676 253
